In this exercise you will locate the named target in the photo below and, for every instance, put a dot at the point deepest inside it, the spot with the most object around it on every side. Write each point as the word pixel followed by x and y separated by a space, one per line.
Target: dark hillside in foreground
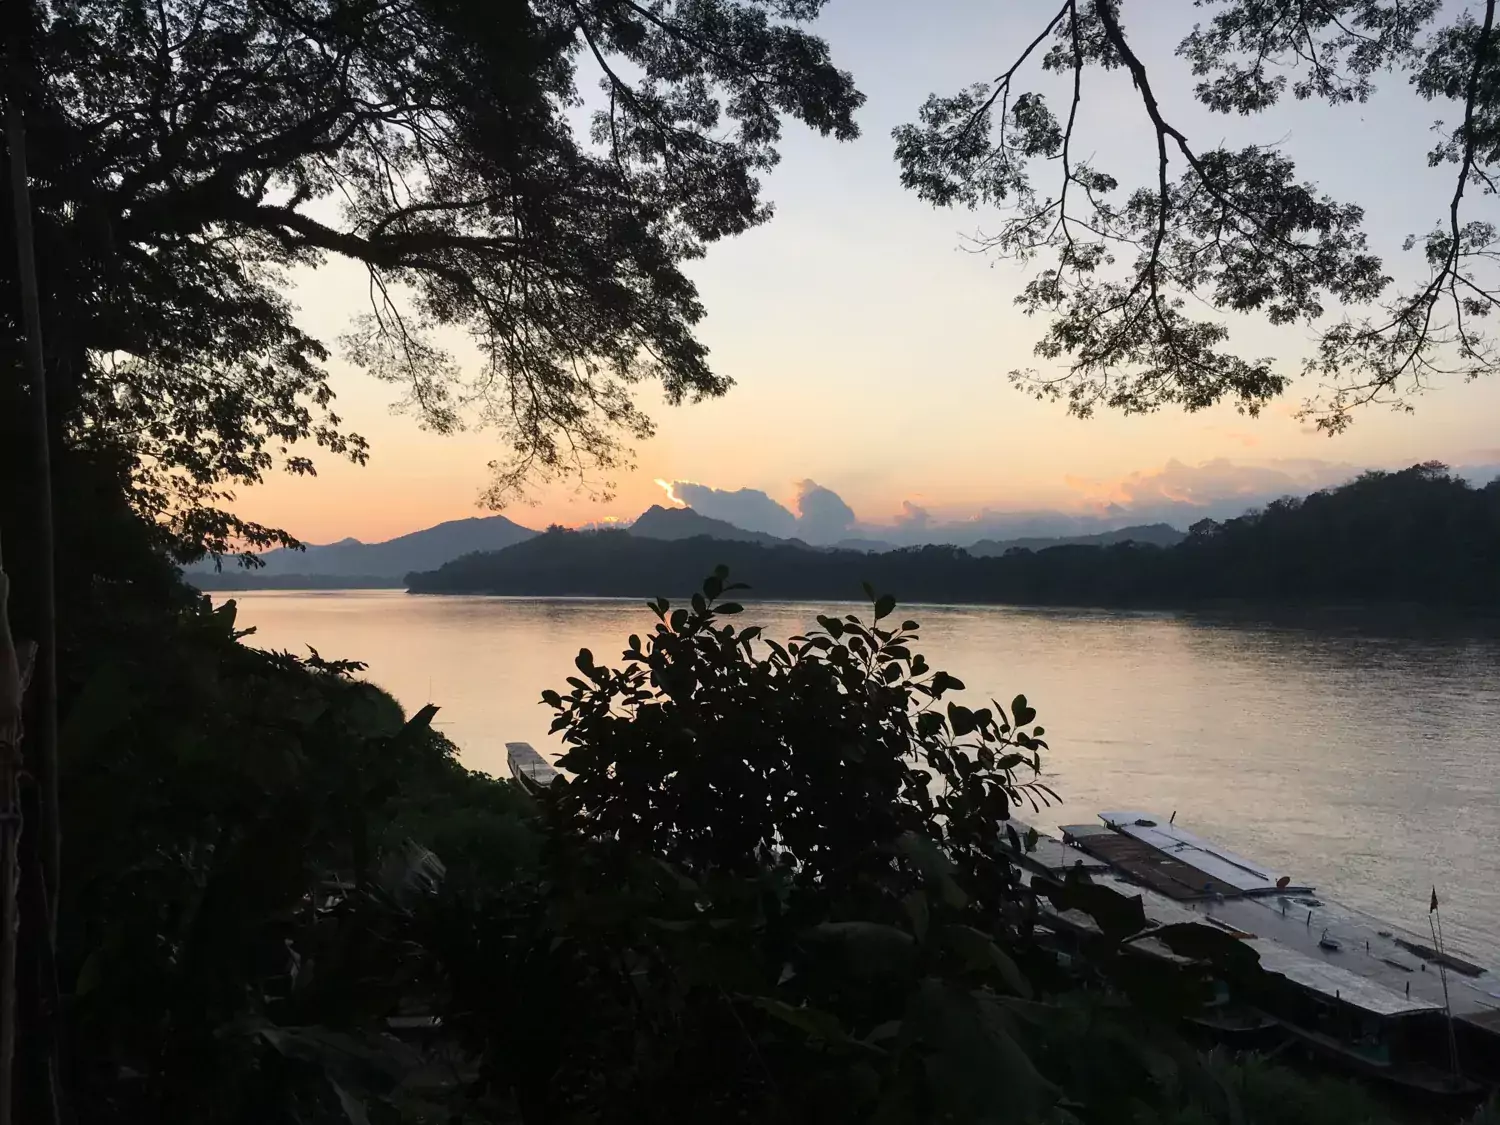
pixel 1416 536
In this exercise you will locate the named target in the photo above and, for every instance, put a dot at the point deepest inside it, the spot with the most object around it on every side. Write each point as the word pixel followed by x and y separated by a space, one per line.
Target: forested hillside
pixel 1418 535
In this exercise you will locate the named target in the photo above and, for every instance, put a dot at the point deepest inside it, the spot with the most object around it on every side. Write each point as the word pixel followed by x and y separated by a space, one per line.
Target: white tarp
pixel 1220 865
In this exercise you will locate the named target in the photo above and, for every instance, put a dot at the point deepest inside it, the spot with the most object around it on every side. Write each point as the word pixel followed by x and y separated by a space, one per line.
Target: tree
pixel 186 153
pixel 1236 229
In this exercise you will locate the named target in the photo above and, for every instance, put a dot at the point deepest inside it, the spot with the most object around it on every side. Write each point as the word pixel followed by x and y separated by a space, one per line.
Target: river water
pixel 1363 760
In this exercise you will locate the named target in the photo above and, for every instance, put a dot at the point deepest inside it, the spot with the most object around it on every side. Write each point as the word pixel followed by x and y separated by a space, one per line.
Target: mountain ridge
pixel 386 562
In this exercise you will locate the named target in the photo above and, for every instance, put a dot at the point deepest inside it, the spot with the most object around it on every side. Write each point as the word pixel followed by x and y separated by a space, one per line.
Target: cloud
pixel 747 508
pixel 1219 487
pixel 913 516
pixel 823 517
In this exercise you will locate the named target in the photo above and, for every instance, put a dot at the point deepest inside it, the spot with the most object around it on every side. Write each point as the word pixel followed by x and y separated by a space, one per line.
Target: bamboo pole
pixel 1435 922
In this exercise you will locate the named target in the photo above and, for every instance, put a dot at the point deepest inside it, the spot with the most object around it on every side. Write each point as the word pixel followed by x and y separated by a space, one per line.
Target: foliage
pixel 1420 535
pixel 240 871
pixel 187 155
pixel 1238 230
pixel 266 862
pixel 818 755
pixel 786 892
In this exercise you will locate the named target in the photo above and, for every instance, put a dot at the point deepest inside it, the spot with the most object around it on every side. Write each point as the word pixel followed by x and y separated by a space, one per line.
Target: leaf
pixel 887 1030
pixel 353 1108
pixel 885 605
pixel 869 590
pixel 584 662
pixel 730 607
pixel 812 1022
pixel 551 698
pixel 1022 714
pixel 981 954
pixel 915 905
pixel 961 719
pixel 975 1069
pixel 909 626
pixel 934 866
pixel 872 948
pixel 1117 915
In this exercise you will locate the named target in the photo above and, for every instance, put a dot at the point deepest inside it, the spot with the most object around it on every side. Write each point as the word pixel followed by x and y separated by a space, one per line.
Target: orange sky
pixel 870 350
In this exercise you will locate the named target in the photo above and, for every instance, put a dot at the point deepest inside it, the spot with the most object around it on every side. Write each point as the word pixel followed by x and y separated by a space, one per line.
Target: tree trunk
pixel 42 736
pixel 34 1093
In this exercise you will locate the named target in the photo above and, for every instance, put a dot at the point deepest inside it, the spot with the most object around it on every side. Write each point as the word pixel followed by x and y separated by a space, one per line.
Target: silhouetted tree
pixel 1126 269
pixel 186 154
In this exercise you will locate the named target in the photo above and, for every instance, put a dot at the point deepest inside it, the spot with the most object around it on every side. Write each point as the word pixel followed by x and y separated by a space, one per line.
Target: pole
pixel 1435 923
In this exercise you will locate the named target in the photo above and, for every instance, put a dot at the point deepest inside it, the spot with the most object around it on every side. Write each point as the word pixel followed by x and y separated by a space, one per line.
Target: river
pixel 1365 761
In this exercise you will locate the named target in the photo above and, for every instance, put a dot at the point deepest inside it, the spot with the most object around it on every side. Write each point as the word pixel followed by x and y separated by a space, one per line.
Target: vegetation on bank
pixel 749 902
pixel 1419 535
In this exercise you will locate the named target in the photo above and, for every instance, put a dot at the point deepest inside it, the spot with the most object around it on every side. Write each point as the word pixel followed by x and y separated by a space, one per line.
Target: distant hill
pixel 657 522
pixel 1152 534
pixel 365 564
pixel 1419 536
pixel 867 546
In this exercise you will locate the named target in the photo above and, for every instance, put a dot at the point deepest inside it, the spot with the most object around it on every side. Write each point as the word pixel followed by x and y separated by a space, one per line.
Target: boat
pixel 1242 1028
pixel 528 767
pixel 1359 992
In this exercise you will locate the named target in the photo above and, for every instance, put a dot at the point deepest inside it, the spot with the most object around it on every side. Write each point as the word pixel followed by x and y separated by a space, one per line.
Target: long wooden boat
pixel 1363 994
pixel 528 767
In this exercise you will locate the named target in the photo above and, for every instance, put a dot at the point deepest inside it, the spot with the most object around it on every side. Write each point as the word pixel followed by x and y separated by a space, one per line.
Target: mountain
pixel 657 522
pixel 1420 537
pixel 868 546
pixel 351 562
pixel 1150 534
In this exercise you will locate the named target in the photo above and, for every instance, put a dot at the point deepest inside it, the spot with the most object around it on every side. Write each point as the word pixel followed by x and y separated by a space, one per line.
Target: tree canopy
pixel 187 153
pixel 1136 281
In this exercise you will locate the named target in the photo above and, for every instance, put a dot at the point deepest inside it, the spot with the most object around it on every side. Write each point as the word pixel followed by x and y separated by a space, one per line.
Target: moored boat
pixel 1360 993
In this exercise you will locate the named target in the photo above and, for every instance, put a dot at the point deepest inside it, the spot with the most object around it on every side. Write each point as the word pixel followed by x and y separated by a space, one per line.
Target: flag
pixel 1433 905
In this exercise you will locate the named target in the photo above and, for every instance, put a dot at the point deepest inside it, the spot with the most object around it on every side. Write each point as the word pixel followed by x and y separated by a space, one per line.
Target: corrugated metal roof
pixel 1336 983
pixel 1221 867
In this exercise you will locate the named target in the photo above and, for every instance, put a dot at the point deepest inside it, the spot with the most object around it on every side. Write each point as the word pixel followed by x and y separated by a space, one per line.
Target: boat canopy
pixel 1222 869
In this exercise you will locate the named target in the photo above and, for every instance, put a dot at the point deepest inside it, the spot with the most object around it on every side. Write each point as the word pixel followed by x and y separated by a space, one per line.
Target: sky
pixel 870 346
